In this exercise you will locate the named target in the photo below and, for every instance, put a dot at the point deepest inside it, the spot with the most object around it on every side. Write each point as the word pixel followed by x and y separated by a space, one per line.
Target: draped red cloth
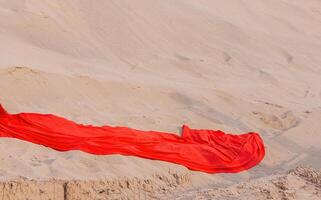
pixel 203 150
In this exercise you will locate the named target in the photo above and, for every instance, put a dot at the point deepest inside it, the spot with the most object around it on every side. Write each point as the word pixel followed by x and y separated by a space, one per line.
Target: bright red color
pixel 203 150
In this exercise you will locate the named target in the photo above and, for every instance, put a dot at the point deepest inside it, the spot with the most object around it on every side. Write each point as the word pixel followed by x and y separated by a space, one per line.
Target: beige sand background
pixel 233 65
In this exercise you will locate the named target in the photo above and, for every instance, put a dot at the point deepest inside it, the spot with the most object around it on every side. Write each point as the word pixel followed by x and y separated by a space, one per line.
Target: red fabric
pixel 203 150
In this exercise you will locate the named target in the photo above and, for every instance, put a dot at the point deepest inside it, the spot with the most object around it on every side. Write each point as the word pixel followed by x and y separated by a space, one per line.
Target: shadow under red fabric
pixel 203 150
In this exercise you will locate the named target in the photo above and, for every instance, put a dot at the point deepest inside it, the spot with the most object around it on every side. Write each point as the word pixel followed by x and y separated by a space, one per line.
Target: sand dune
pixel 235 65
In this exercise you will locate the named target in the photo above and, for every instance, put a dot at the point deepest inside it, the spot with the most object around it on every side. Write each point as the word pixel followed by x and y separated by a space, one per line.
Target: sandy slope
pixel 235 65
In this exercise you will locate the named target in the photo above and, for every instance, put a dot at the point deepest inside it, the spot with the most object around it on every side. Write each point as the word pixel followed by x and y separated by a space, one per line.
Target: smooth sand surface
pixel 232 65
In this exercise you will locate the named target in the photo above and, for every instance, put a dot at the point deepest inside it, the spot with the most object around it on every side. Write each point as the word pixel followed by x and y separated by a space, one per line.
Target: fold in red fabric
pixel 209 151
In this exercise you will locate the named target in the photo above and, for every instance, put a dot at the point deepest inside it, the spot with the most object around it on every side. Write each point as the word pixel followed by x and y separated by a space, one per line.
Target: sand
pixel 237 66
pixel 299 183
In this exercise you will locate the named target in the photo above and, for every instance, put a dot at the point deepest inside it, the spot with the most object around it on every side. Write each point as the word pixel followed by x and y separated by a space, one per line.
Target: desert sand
pixel 232 65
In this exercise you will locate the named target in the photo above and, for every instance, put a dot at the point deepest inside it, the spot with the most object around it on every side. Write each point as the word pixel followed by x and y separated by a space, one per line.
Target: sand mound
pixel 300 183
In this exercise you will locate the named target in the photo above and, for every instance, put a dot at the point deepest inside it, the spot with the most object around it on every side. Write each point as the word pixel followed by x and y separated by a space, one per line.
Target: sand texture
pixel 233 65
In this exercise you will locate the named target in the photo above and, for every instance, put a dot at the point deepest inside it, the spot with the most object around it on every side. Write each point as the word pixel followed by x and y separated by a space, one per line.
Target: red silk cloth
pixel 203 150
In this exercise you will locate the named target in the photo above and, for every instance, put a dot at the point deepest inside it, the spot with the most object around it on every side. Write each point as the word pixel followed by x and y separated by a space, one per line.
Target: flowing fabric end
pixel 237 152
